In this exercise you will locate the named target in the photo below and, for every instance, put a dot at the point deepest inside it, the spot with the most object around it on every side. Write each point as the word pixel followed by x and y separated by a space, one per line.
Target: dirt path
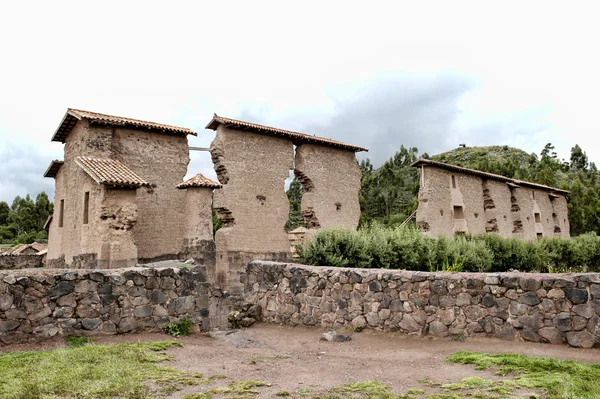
pixel 293 359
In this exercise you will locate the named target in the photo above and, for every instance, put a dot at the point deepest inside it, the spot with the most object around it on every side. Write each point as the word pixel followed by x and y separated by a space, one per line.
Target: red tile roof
pixel 199 181
pixel 485 175
pixel 110 172
pixel 295 137
pixel 74 115
pixel 53 168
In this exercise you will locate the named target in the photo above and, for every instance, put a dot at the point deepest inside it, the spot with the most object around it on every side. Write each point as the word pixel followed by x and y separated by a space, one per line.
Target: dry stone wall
pixel 11 262
pixel 37 304
pixel 554 308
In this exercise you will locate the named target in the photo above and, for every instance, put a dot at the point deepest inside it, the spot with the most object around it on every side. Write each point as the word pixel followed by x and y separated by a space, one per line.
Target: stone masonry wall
pixel 37 304
pixel 554 308
pixel 8 262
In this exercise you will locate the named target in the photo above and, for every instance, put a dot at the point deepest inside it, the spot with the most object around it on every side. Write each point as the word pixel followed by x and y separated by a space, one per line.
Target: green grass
pixel 85 372
pixel 74 341
pixel 558 378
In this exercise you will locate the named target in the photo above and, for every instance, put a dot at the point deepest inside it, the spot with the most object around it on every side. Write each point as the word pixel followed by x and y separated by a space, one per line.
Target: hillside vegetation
pixel 389 194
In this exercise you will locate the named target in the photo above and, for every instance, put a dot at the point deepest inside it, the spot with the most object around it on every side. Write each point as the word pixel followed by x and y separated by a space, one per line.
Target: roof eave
pixel 69 113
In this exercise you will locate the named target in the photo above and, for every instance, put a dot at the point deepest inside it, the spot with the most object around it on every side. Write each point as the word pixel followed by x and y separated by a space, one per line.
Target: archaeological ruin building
pixel 121 199
pixel 454 199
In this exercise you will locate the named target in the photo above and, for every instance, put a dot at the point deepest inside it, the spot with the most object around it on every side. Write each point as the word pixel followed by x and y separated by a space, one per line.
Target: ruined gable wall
pixel 331 181
pixel 198 237
pixel 161 159
pixel 76 244
pixel 252 202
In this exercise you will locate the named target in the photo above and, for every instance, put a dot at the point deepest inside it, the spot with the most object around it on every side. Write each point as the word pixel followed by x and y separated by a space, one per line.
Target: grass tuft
pixel 558 378
pixel 76 341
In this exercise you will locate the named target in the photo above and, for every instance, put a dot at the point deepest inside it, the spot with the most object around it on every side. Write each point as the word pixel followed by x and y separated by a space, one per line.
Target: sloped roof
pixel 53 168
pixel 485 175
pixel 199 181
pixel 72 116
pixel 110 172
pixel 295 137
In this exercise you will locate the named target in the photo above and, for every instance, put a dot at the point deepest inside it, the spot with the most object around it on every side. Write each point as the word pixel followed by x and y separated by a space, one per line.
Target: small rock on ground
pixel 333 336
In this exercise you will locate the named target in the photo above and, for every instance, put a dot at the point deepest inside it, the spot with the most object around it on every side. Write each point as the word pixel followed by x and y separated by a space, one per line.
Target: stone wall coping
pixel 78 274
pixel 420 275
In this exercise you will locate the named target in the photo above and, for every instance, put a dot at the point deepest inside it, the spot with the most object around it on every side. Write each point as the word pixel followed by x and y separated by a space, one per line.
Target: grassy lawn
pixel 136 371
pixel 6 245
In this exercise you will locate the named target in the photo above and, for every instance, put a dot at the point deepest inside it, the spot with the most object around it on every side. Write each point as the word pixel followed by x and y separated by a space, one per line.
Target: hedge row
pixel 406 248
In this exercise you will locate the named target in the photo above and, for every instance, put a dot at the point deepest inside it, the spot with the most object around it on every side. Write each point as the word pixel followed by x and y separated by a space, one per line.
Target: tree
pixel 579 159
pixel 294 195
pixel 4 212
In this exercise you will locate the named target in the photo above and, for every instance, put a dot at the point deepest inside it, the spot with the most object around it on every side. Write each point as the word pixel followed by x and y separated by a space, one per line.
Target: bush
pixel 179 329
pixel 376 246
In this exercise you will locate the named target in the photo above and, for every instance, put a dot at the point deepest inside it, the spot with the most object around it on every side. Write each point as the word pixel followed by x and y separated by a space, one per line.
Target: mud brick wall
pixel 252 203
pixel 553 308
pixel 10 262
pixel 36 304
pixel 487 206
pixel 331 181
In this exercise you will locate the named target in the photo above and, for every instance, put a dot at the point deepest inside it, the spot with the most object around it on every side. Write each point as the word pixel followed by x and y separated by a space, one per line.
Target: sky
pixel 380 75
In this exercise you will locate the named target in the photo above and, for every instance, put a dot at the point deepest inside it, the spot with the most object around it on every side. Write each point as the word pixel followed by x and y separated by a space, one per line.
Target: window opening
pixel 538 219
pixel 86 207
pixel 453 182
pixel 458 212
pixel 61 213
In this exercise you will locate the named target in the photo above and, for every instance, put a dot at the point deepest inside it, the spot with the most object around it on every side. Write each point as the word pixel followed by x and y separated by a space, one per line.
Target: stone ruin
pixel 252 162
pixel 121 200
pixel 454 199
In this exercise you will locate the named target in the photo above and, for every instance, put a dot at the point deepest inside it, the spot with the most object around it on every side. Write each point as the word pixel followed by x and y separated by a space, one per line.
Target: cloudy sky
pixel 424 74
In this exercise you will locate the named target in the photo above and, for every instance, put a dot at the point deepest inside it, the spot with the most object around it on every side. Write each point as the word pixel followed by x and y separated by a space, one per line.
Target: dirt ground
pixel 293 359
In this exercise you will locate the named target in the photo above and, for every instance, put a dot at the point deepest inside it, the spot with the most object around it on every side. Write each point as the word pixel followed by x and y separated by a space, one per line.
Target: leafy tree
pixel 294 195
pixel 4 212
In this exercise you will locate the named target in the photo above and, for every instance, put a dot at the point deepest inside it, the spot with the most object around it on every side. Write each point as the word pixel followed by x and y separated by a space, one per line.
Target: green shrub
pixel 376 246
pixel 179 329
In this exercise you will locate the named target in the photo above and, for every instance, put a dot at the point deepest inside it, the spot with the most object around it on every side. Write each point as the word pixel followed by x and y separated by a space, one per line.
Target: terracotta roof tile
pixel 297 138
pixel 199 181
pixel 485 175
pixel 110 172
pixel 53 168
pixel 74 115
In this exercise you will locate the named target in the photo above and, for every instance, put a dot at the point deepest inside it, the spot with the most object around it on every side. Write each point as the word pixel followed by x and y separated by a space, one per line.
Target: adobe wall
pixel 21 261
pixel 36 304
pixel 76 244
pixel 252 202
pixel 162 160
pixel 553 308
pixel 116 220
pixel 198 240
pixel 488 206
pixel 331 181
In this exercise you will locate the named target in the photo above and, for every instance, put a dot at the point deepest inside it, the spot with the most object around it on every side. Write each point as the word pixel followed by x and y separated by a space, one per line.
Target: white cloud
pixel 532 68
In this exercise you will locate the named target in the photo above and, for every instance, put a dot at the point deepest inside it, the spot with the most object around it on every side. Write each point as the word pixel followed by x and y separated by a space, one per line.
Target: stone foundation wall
pixel 37 304
pixel 554 308
pixel 11 262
